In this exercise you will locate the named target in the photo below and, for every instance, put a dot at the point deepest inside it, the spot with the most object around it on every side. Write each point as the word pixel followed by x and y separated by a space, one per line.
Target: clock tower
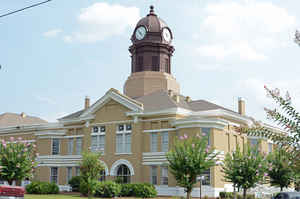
pixel 151 53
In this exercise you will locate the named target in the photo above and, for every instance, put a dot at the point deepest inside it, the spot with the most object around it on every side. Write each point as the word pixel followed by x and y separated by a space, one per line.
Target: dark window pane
pixel 128 127
pixel 95 129
pixel 102 129
pixel 121 127
pixel 155 64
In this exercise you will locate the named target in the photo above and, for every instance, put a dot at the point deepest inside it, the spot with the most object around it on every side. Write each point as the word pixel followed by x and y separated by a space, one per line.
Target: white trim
pixel 33 127
pixel 51 137
pixel 70 121
pixel 112 122
pixel 158 130
pixel 158 119
pixel 51 132
pixel 59 160
pixel 197 121
pixel 123 153
pixel 176 110
pixel 112 94
pixel 224 113
pixel 73 136
pixel 114 167
pixel 22 141
pixel 19 134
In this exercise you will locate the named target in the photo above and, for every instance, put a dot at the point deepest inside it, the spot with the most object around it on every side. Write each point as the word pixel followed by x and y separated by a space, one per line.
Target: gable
pixel 116 96
pixel 111 111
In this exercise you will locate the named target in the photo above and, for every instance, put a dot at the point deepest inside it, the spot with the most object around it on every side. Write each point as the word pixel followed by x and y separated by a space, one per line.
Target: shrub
pixel 127 190
pixel 107 189
pixel 75 183
pixel 42 188
pixel 83 188
pixel 144 190
pixel 229 195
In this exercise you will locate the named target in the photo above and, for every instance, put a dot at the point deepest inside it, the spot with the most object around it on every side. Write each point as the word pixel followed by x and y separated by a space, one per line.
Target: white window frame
pixel 164 145
pixel 154 137
pixel 70 146
pixel 162 178
pixel 270 147
pixel 208 178
pixel 69 175
pixel 57 175
pixel 77 171
pixel 123 132
pixel 52 142
pixel 152 169
pixel 100 132
pixel 78 152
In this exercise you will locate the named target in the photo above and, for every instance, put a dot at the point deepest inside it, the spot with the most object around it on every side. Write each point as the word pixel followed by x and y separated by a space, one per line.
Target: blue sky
pixel 53 55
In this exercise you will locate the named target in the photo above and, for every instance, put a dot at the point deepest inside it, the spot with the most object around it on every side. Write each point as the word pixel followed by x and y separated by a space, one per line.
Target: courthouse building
pixel 133 130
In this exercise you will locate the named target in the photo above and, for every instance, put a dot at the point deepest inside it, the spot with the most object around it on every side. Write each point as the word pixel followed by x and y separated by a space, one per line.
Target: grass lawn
pixel 53 196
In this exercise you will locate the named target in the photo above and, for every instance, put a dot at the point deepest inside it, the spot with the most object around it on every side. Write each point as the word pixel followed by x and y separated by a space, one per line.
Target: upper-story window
pixel 270 147
pixel 206 132
pixel 98 139
pixel 155 64
pixel 123 138
pixel 70 146
pixel 253 142
pixel 78 146
pixel 164 141
pixel 55 146
pixel 154 142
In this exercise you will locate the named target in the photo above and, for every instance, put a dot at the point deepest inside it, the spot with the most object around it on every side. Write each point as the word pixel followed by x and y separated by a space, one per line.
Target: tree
pixel 289 119
pixel 17 160
pixel 245 169
pixel 189 158
pixel 231 168
pixel 90 171
pixel 280 170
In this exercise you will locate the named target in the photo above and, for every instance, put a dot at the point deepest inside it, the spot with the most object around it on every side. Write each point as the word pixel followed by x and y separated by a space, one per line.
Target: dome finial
pixel 151 9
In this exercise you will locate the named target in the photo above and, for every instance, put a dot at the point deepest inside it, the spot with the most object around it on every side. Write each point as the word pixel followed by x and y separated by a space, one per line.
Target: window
pixel 140 63
pixel 154 142
pixel 206 175
pixel 77 171
pixel 123 138
pixel 164 176
pixel 98 139
pixel 123 174
pixel 69 174
pixel 270 147
pixel 155 64
pixel 54 175
pixel 78 146
pixel 206 131
pixel 153 179
pixel 55 146
pixel 164 142
pixel 236 141
pixel 167 66
pixel 102 176
pixel 70 146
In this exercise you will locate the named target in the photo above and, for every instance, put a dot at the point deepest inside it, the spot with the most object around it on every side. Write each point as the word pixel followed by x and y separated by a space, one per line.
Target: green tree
pixel 245 169
pixel 280 170
pixel 90 171
pixel 289 119
pixel 189 158
pixel 17 160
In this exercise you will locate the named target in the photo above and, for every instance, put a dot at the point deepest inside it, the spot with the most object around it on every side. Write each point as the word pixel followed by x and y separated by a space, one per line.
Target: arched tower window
pixel 123 174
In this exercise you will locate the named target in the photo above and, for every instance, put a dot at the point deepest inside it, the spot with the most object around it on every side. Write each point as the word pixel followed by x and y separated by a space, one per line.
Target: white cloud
pixel 244 30
pixel 102 20
pixel 52 33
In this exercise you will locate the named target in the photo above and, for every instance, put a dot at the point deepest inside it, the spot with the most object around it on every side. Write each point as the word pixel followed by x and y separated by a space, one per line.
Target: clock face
pixel 167 35
pixel 140 33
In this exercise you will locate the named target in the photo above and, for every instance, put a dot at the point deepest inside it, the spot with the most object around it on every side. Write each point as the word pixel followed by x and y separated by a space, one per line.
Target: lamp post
pixel 200 178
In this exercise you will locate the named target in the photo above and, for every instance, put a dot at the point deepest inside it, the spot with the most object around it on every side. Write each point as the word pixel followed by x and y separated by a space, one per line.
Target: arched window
pixel 123 174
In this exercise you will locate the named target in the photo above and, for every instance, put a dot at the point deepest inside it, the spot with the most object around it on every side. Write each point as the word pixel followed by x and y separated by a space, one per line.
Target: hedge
pixel 37 187
pixel 229 195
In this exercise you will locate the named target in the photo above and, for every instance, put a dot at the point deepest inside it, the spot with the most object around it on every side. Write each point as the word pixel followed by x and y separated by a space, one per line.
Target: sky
pixel 54 55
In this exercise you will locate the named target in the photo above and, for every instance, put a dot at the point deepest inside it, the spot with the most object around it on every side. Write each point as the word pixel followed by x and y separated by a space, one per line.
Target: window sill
pixel 123 153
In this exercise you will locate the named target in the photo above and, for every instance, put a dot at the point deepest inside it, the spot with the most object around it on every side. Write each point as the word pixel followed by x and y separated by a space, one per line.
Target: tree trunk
pixel 10 182
pixel 281 189
pixel 188 194
pixel 234 192
pixel 245 193
pixel 18 182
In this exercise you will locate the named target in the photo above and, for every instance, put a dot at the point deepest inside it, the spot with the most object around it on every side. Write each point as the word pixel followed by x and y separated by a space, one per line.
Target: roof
pixel 162 100
pixel 14 119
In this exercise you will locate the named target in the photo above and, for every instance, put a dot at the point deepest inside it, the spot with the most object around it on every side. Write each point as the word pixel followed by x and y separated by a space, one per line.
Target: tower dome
pixel 151 53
